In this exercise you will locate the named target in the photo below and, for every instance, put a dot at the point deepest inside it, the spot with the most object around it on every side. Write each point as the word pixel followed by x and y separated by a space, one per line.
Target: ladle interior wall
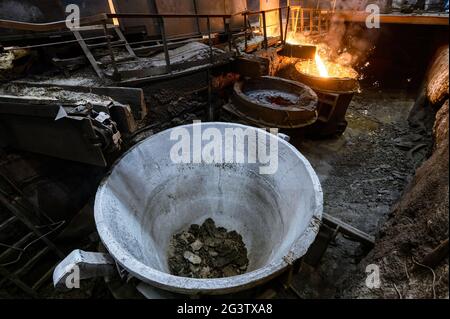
pixel 149 198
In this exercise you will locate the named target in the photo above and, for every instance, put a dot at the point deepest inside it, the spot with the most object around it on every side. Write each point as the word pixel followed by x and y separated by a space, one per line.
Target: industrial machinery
pixel 147 198
pixel 73 123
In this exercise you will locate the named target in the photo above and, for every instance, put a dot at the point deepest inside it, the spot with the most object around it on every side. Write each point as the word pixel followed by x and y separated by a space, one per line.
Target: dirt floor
pixel 418 225
pixel 363 173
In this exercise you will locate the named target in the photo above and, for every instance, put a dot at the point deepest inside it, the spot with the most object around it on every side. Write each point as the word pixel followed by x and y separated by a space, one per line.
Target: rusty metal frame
pixel 311 19
pixel 262 15
pixel 102 19
pixel 30 216
pixel 52 26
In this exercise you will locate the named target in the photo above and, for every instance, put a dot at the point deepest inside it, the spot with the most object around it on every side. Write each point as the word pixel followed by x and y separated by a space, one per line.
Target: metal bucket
pixel 147 198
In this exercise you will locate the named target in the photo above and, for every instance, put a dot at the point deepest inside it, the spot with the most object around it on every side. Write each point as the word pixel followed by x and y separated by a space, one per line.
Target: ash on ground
pixel 207 251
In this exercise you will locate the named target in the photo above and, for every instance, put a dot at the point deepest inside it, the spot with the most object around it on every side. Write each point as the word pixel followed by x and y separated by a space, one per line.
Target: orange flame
pixel 321 67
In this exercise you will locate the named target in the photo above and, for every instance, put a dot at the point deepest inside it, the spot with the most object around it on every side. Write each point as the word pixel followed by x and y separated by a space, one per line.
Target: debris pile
pixel 207 251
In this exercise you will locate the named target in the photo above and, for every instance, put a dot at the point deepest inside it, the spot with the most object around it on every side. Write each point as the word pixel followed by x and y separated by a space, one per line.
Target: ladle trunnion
pixel 147 198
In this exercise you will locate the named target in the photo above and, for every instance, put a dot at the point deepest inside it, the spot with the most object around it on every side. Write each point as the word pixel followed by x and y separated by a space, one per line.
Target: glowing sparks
pixel 321 67
pixel 333 70
pixel 297 39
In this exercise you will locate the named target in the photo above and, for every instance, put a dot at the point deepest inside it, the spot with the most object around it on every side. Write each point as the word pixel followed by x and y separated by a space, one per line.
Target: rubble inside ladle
pixel 207 251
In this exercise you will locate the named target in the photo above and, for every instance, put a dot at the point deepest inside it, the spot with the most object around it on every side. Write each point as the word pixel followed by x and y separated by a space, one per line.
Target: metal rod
pixel 37 209
pixel 164 39
pixel 354 16
pixel 110 50
pixel 261 11
pixel 287 24
pixel 51 44
pixel 208 73
pixel 319 25
pixel 39 27
pixel 197 18
pixel 245 32
pixel 296 21
pixel 127 45
pixel 5 273
pixel 266 43
pixel 302 20
pixel 211 51
pixel 168 15
pixel 280 13
pixel 348 230
pixel 227 29
pixel 210 105
pixel 88 54
pixel 327 21
pixel 18 213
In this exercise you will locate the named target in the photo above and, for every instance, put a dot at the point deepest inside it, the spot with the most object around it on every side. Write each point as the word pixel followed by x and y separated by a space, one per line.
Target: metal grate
pixel 24 244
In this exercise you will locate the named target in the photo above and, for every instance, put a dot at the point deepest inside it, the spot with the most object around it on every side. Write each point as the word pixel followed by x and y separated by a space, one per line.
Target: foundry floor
pixel 363 173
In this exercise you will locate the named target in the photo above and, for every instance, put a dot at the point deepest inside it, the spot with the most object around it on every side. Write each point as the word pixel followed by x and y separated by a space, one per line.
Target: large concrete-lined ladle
pixel 147 198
